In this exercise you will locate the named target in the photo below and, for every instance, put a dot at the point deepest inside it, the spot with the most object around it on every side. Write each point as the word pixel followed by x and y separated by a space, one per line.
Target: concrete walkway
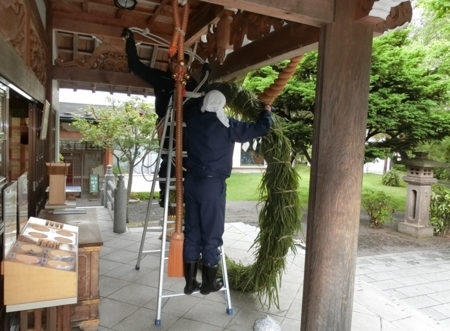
pixel 407 291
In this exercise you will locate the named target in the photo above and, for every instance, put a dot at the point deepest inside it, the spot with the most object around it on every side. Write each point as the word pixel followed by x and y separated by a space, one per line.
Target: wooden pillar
pixel 108 160
pixel 336 171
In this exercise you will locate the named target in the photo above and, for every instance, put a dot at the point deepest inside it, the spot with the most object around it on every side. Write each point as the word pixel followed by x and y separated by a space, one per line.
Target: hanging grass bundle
pixel 280 214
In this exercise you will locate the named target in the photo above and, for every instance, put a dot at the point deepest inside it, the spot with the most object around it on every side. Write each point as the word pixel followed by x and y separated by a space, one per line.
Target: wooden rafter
pixel 314 13
pixel 199 23
pixel 71 19
pixel 75 74
pixel 268 50
pixel 157 11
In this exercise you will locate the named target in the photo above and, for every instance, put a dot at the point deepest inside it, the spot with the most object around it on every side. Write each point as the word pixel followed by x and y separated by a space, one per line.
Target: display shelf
pixel 40 268
pixel 85 314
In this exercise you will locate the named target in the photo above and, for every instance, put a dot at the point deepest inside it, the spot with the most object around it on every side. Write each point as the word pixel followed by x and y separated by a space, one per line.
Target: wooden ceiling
pixel 234 36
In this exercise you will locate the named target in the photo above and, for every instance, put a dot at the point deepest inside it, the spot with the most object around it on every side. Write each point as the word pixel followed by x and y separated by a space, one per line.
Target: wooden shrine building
pixel 46 45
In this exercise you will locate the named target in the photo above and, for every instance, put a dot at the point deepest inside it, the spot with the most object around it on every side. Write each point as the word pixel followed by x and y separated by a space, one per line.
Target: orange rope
pixel 180 83
pixel 176 31
pixel 271 92
pixel 175 260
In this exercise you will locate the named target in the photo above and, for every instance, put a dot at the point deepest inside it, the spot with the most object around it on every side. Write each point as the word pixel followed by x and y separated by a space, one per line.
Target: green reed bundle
pixel 280 214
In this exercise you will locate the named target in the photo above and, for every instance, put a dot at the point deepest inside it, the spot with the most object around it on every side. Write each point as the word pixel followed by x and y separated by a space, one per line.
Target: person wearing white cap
pixel 211 137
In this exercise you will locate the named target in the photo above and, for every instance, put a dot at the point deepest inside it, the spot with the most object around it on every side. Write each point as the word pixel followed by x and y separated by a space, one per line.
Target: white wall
pixel 377 166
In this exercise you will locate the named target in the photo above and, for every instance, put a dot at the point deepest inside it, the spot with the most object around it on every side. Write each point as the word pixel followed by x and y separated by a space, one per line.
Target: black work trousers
pixel 204 220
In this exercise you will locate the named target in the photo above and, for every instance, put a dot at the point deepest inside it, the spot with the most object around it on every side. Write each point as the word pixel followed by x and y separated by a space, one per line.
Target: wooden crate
pixel 85 314
pixel 46 319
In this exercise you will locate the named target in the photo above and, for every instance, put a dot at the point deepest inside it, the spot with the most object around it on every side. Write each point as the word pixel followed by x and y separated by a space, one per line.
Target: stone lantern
pixel 419 178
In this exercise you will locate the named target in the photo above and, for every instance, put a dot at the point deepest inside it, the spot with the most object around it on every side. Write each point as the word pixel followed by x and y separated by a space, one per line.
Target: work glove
pixel 127 34
pixel 206 68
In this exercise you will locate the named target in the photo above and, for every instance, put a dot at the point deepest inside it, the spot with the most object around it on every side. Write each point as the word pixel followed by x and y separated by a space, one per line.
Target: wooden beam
pixel 157 11
pixel 92 76
pixel 199 23
pixel 309 12
pixel 285 43
pixel 98 30
pixel 85 6
pixel 75 46
pixel 80 20
pixel 120 13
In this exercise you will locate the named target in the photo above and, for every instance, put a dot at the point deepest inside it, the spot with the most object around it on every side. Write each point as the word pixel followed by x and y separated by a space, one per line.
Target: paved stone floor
pixel 393 292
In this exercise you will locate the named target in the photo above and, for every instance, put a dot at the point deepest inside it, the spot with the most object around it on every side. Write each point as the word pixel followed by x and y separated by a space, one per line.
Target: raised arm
pixel 150 75
pixel 245 131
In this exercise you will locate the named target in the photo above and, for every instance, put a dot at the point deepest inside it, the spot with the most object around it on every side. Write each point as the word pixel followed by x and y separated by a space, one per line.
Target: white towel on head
pixel 214 102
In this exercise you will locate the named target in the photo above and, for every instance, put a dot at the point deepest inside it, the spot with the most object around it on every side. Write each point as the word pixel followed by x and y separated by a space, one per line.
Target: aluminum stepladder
pixel 169 123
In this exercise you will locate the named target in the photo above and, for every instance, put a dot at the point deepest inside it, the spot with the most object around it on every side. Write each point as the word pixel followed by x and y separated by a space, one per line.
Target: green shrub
pixel 378 206
pixel 440 210
pixel 442 173
pixel 399 167
pixel 391 178
pixel 143 195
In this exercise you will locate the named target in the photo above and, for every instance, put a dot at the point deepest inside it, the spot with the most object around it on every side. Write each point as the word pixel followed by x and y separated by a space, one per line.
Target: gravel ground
pixel 371 241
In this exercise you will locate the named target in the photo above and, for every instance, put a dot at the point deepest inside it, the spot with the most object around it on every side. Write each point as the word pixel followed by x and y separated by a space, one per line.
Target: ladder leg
pixel 226 283
pixel 152 191
pixel 165 219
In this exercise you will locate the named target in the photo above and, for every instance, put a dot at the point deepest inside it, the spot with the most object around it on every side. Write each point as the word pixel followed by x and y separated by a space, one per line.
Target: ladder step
pixel 163 179
pixel 189 94
pixel 175 124
pixel 166 151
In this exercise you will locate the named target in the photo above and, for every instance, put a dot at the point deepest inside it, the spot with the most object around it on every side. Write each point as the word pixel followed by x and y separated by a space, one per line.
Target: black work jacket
pixel 162 81
pixel 211 144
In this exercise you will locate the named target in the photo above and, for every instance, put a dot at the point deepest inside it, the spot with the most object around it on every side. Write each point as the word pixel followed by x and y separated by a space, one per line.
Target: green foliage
pixel 243 187
pixel 407 102
pixel 126 128
pixel 406 98
pixel 295 105
pixel 442 173
pixel 399 167
pixel 391 178
pixel 280 215
pixel 440 210
pixel 143 195
pixel 437 150
pixel 397 194
pixel 440 8
pixel 116 170
pixel 378 206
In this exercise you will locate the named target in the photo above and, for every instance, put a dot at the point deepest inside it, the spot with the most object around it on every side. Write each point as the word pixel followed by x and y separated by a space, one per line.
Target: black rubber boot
pixel 210 283
pixel 162 196
pixel 190 274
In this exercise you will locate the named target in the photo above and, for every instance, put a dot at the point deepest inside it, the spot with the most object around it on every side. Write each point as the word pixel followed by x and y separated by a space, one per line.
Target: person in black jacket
pixel 211 138
pixel 163 86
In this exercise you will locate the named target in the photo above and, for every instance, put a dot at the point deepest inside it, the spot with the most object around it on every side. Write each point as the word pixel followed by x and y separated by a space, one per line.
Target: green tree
pixel 431 29
pixel 439 7
pixel 406 101
pixel 127 129
pixel 295 104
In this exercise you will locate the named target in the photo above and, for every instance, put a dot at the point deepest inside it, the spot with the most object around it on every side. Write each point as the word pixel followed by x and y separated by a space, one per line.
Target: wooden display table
pixel 84 314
